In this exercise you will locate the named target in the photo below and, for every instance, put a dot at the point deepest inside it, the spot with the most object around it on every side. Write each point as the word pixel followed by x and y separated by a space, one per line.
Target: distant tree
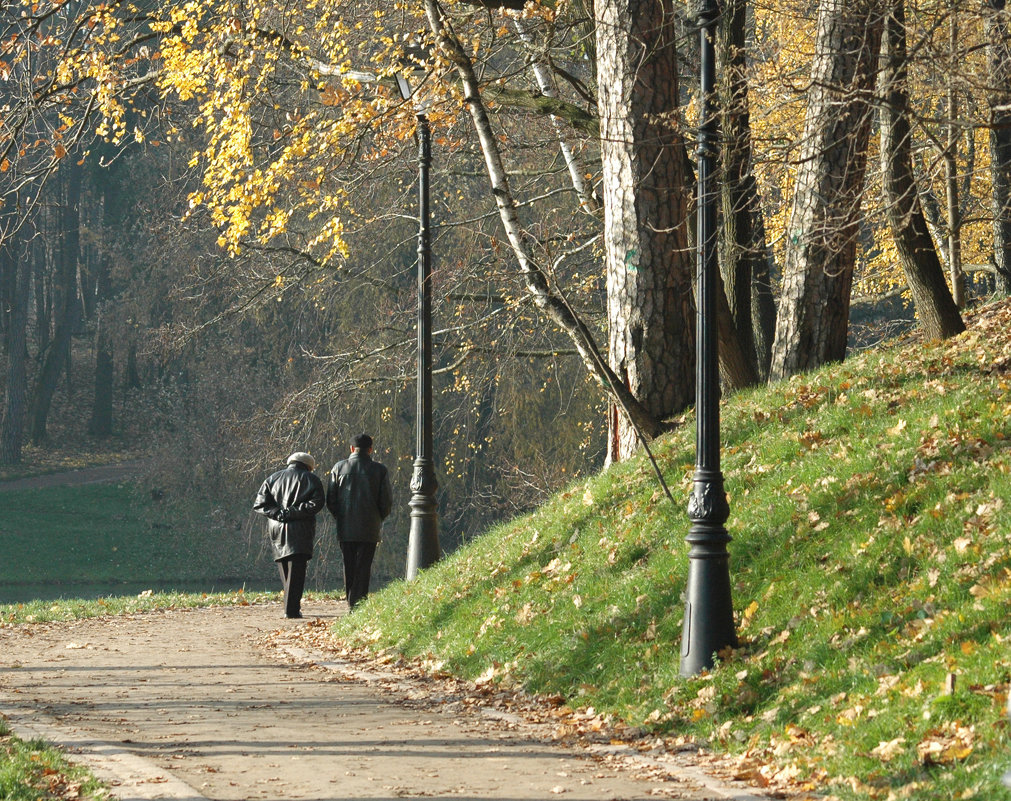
pixel 15 269
pixel 745 259
pixel 67 307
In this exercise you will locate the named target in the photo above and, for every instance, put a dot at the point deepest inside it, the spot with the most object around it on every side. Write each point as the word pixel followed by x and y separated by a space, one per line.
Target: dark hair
pixel 362 441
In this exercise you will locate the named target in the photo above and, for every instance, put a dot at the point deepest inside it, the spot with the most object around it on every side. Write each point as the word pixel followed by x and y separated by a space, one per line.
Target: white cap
pixel 304 458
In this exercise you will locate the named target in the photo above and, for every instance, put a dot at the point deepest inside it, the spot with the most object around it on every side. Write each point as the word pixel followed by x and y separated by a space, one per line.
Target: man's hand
pixel 282 515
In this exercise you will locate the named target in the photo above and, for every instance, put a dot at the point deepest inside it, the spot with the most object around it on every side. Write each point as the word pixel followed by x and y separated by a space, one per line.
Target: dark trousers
pixel 292 570
pixel 357 569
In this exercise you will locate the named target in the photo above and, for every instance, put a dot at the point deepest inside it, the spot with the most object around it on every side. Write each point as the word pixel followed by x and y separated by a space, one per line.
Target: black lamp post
pixel 709 614
pixel 423 548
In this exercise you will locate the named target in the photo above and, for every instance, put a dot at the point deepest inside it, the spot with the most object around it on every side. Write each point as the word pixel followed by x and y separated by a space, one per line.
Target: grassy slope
pixel 871 561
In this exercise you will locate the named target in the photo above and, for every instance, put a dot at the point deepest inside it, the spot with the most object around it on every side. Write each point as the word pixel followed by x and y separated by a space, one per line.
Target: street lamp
pixel 423 548
pixel 709 614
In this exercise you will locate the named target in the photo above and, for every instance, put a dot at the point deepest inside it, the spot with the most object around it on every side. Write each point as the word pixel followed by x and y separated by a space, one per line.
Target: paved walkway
pixel 189 705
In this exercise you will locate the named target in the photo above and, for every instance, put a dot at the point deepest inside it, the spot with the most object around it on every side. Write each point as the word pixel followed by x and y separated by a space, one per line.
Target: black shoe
pixel 294 617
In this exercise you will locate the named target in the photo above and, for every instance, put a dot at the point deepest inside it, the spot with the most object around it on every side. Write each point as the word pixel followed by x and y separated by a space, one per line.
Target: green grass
pixel 99 533
pixel 871 516
pixel 31 770
pixel 105 539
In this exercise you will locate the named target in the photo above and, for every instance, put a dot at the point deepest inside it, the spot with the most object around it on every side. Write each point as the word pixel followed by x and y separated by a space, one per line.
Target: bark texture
pixel 813 318
pixel 650 309
pixel 935 307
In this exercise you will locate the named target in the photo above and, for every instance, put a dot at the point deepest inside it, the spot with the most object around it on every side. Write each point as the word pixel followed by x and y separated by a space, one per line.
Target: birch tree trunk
pixel 998 45
pixel 935 307
pixel 950 157
pixel 573 163
pixel 646 211
pixel 813 319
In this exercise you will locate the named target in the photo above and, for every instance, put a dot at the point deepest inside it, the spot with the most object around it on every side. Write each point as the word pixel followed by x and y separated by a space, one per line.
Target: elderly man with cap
pixel 290 499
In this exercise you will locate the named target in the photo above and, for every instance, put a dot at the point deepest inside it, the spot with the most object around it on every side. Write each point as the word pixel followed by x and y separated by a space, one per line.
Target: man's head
pixel 303 458
pixel 362 443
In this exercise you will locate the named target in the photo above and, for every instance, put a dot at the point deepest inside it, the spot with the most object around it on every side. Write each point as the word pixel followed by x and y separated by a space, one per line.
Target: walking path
pixel 225 704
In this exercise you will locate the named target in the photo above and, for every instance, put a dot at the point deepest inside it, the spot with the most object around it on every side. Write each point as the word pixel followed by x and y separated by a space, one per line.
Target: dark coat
pixel 359 496
pixel 290 500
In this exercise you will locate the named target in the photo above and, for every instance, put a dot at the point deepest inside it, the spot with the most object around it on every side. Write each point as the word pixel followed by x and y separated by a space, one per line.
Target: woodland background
pixel 207 240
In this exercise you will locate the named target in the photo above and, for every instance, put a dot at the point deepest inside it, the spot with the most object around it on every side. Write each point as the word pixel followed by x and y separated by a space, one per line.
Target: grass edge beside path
pixel 31 770
pixel 33 612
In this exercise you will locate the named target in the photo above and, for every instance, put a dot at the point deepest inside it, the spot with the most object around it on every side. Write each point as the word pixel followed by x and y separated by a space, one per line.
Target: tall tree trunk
pixel 813 320
pixel 131 377
pixel 101 411
pixel 545 296
pixel 67 306
pixel 18 268
pixel 950 164
pixel 935 307
pixel 998 44
pixel 646 200
pixel 744 255
pixel 763 307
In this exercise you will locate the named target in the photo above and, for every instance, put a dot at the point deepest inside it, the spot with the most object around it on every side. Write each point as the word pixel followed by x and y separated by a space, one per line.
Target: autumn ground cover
pixel 871 567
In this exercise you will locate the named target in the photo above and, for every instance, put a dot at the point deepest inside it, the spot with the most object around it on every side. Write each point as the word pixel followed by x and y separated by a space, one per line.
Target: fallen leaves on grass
pixel 951 742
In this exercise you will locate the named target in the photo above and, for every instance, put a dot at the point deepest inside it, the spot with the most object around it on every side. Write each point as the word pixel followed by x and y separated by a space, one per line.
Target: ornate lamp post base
pixel 423 548
pixel 709 614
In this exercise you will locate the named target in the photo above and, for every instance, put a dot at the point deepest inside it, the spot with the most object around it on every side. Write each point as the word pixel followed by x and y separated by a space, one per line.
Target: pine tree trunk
pixel 646 199
pixel 813 320
pixel 935 306
pixel 998 43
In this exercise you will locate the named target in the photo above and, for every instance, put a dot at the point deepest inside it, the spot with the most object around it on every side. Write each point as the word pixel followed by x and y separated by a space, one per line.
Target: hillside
pixel 871 570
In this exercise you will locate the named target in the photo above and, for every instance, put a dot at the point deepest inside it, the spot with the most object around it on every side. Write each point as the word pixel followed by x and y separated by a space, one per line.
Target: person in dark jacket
pixel 290 499
pixel 359 496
